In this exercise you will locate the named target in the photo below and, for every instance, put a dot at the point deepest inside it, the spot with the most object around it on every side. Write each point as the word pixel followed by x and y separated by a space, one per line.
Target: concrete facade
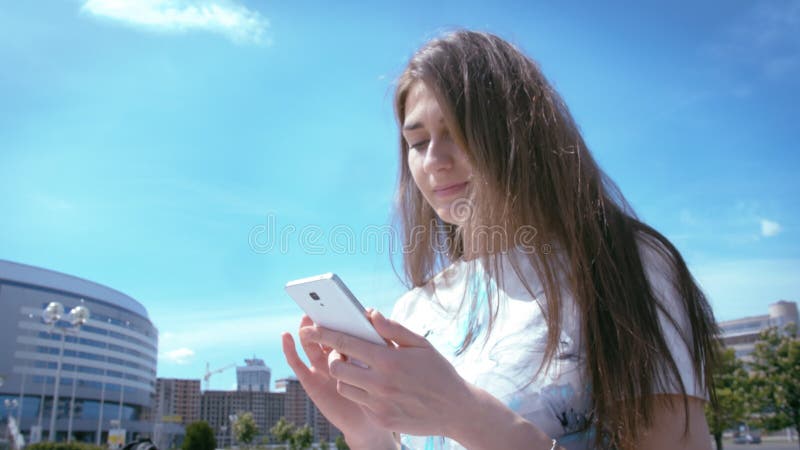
pixel 109 363
pixel 300 410
pixel 742 334
pixel 177 401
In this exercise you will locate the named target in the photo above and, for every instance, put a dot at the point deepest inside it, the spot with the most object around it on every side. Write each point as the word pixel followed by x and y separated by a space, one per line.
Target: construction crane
pixel 210 372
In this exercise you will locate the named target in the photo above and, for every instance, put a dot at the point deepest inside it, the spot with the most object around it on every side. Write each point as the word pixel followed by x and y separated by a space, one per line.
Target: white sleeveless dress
pixel 558 401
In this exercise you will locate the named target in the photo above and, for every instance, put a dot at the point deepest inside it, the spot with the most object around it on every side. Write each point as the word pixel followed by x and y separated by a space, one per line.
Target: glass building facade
pixel 253 376
pixel 108 366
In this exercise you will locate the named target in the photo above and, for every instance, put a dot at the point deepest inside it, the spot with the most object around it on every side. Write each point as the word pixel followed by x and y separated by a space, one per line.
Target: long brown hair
pixel 533 171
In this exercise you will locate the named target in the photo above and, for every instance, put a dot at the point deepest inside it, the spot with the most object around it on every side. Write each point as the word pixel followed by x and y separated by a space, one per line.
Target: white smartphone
pixel 330 304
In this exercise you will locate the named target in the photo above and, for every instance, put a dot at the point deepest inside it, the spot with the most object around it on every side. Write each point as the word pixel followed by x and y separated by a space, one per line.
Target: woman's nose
pixel 439 155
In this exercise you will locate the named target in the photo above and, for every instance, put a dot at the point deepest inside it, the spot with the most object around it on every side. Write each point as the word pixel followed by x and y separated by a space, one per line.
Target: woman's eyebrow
pixel 417 125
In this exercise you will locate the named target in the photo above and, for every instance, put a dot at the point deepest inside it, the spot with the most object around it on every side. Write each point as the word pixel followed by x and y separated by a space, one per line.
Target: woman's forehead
pixel 420 105
pixel 415 92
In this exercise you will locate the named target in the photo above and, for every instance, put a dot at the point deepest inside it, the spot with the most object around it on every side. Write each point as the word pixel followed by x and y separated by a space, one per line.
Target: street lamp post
pixel 38 435
pixel 121 403
pixel 10 405
pixel 72 401
pixel 122 394
pixel 99 434
pixel 51 315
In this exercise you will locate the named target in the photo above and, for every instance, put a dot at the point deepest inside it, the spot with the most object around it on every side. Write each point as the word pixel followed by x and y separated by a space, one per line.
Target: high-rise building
pixel 324 430
pixel 300 410
pixel 177 401
pixel 297 404
pixel 253 376
pixel 101 372
pixel 742 334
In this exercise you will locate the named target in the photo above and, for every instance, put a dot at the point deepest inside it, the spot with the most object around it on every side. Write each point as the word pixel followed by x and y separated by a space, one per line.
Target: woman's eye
pixel 418 144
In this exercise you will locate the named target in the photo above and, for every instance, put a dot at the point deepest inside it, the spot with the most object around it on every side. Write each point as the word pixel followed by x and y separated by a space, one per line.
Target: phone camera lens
pixel 314 295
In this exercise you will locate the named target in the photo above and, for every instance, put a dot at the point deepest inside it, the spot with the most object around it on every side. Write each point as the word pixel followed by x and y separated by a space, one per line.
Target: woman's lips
pixel 450 189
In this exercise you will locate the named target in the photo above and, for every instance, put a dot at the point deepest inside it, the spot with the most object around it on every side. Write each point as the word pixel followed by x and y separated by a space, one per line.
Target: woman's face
pixel 440 168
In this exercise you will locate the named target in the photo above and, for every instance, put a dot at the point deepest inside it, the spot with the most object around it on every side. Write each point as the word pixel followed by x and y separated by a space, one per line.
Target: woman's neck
pixel 484 240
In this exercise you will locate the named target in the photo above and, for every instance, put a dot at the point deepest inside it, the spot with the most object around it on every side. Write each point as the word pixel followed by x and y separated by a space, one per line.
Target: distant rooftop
pixel 50 279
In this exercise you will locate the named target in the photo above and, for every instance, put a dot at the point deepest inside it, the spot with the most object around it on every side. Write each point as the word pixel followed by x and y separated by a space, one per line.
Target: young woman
pixel 543 313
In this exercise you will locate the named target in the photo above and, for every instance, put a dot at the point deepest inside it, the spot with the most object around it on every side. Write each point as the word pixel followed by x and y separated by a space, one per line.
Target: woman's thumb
pixel 389 329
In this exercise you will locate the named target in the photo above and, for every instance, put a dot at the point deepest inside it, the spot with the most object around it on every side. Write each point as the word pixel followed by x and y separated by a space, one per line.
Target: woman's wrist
pixel 483 419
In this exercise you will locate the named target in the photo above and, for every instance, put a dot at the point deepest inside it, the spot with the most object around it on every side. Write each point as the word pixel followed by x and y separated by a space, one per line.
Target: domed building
pixel 100 374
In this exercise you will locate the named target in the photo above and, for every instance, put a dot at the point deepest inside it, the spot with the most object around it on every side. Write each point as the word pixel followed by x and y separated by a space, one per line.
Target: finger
pixel 389 342
pixel 297 365
pixel 316 356
pixel 353 393
pixel 306 321
pixel 402 336
pixel 343 343
pixel 352 374
pixel 334 355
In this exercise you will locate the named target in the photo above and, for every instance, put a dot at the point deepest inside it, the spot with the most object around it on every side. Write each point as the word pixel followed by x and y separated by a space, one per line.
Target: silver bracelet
pixel 554 445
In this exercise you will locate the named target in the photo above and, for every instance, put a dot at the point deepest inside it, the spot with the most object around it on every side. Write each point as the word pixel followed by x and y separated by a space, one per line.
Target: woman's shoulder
pixel 439 294
pixel 659 264
pixel 404 304
pixel 655 254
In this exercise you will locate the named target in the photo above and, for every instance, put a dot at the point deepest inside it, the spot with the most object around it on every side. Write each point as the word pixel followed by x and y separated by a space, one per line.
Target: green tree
pixel 63 446
pixel 731 381
pixel 199 436
pixel 282 430
pixel 340 443
pixel 245 428
pixel 302 438
pixel 775 371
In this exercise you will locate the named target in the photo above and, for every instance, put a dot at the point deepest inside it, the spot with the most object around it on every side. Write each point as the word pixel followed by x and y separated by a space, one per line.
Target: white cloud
pixel 181 355
pixel 769 228
pixel 236 22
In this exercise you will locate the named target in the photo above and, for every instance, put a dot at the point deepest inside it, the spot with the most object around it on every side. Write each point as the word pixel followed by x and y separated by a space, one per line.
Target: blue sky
pixel 159 147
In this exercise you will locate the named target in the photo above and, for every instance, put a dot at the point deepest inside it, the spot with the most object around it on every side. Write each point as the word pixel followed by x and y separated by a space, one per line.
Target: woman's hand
pixel 408 387
pixel 360 431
